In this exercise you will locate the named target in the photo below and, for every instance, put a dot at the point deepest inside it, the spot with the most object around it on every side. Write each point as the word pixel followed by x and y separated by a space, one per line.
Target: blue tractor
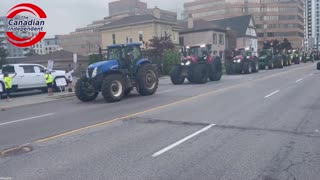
pixel 124 70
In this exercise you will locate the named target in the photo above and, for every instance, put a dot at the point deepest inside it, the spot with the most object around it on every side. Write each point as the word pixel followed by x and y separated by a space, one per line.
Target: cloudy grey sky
pixel 66 15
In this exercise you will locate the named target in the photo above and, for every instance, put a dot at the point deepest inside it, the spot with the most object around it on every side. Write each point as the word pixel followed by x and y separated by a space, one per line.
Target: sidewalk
pixel 34 99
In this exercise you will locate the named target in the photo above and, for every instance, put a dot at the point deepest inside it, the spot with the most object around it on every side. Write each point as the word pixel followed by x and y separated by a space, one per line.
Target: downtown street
pixel 259 126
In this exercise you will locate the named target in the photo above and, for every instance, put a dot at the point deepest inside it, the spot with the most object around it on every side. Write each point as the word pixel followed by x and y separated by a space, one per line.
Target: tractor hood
pixel 105 65
pixel 263 57
pixel 193 58
pixel 238 57
pixel 102 67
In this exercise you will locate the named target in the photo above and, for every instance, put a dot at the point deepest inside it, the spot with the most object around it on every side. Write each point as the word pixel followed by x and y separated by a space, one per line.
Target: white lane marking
pixel 299 80
pixel 170 90
pixel 182 141
pixel 272 94
pixel 26 119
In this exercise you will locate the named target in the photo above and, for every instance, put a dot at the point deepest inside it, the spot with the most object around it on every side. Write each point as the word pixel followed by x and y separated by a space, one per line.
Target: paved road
pixel 258 126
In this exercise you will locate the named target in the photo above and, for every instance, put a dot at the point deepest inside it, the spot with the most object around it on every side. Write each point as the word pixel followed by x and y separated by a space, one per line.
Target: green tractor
pixel 268 60
pixel 308 57
pixel 287 61
pixel 295 57
pixel 124 70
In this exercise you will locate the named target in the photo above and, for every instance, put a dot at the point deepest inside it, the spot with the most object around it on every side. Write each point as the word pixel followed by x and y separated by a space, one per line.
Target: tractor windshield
pixel 134 52
pixel 198 51
pixel 114 53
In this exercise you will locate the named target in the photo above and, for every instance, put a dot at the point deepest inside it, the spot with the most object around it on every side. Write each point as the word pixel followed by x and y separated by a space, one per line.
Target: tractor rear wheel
pixel 281 63
pixel 255 66
pixel 147 80
pixel 247 67
pixel 318 66
pixel 229 69
pixel 113 87
pixel 200 74
pixel 215 72
pixel 270 64
pixel 128 91
pixel 175 75
pixel 85 90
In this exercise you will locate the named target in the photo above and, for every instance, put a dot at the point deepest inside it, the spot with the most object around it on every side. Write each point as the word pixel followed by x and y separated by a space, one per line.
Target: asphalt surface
pixel 259 126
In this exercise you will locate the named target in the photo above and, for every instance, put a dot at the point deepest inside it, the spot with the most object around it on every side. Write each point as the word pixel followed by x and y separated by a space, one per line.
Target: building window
pixel 140 36
pixel 114 38
pixel 127 40
pixel 214 38
pixel 130 40
pixel 221 39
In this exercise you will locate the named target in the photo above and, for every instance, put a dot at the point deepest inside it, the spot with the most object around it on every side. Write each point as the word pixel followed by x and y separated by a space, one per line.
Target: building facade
pixel 312 19
pixel 139 28
pixel 126 7
pixel 275 19
pixel 51 45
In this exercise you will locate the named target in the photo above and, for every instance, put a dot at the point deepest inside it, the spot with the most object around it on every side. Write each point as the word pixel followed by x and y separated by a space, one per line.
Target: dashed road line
pixel 26 119
pixel 299 80
pixel 182 140
pixel 271 94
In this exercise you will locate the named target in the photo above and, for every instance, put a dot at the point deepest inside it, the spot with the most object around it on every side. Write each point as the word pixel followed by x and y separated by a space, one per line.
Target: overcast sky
pixel 66 15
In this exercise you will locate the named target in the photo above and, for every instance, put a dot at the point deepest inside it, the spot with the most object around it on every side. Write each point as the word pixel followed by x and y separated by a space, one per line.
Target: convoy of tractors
pixel 125 68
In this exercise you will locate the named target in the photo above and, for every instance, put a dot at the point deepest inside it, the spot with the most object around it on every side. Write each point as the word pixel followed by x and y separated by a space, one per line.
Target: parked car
pixel 30 77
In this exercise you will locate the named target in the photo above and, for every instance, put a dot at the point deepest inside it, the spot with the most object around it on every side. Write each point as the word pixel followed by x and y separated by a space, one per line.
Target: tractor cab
pixel 127 55
pixel 198 53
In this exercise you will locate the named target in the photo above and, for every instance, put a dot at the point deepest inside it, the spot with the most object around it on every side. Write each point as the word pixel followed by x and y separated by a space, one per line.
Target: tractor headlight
pixel 182 64
pixel 94 72
pixel 188 63
pixel 237 61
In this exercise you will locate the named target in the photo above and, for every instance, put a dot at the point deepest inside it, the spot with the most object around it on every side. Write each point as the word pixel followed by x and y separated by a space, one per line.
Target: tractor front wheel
pixel 215 70
pixel 175 75
pixel 255 66
pixel 200 74
pixel 270 64
pixel 247 67
pixel 113 87
pixel 85 90
pixel 147 80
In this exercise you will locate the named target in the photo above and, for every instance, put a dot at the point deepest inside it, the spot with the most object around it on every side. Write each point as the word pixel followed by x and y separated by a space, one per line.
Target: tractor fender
pixel 142 61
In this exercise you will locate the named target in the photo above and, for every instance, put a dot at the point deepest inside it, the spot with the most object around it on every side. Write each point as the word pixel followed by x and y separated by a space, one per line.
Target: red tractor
pixel 197 66
pixel 242 61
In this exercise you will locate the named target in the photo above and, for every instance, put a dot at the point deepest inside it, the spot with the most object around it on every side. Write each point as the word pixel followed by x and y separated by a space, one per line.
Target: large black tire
pixel 215 72
pixel 1 93
pixel 175 75
pixel 148 80
pixel 318 66
pixel 255 66
pixel 113 87
pixel 270 64
pixel 229 69
pixel 200 74
pixel 247 67
pixel 85 90
pixel 128 91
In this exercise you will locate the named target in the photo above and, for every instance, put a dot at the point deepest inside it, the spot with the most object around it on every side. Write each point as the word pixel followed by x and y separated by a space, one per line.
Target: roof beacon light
pixel 203 46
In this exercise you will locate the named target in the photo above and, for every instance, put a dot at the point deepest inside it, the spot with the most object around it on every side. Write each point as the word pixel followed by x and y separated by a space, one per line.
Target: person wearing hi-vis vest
pixel 8 84
pixel 49 81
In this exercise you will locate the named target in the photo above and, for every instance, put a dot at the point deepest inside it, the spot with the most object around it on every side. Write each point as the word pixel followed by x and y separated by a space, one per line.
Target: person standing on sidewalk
pixel 69 73
pixel 49 81
pixel 8 84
